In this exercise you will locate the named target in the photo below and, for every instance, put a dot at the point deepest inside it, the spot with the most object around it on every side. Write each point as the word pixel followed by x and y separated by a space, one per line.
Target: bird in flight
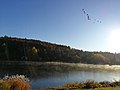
pixel 89 18
pixel 83 11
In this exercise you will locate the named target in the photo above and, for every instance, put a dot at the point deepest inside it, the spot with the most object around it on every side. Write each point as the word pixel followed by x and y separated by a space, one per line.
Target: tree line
pixel 17 49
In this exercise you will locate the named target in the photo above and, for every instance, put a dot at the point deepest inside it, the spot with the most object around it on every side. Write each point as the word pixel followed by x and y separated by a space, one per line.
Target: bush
pixel 15 82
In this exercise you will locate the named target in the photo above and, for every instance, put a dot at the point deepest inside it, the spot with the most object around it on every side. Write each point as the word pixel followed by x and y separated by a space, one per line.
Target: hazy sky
pixel 63 22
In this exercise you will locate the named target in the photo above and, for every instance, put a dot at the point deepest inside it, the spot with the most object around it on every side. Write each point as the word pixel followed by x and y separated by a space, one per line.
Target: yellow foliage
pixel 34 50
pixel 5 85
pixel 99 57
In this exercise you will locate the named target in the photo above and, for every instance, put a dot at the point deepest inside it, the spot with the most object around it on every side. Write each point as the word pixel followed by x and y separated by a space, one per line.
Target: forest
pixel 22 49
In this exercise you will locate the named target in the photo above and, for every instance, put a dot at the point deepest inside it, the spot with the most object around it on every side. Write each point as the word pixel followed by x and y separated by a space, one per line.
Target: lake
pixel 57 79
pixel 41 78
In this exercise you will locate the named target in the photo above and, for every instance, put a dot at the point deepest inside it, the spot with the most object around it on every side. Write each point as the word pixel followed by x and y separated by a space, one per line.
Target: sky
pixel 64 22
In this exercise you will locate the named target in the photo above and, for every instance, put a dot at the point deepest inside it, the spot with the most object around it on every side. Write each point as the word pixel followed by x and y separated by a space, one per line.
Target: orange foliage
pixel 14 84
pixel 19 85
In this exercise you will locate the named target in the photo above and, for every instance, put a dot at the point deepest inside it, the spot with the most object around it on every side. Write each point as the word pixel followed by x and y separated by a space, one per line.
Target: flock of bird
pixel 89 18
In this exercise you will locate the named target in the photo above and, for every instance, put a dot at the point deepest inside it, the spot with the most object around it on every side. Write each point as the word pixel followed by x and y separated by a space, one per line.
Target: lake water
pixel 40 80
pixel 57 79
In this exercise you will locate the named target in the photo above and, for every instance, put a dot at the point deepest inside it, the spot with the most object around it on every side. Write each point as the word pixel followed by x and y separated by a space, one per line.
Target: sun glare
pixel 114 40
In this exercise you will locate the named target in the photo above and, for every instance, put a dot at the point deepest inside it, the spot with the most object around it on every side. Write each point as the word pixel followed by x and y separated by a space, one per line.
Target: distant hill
pixel 17 49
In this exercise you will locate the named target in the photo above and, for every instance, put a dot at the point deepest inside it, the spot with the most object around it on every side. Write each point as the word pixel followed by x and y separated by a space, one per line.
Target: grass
pixel 15 82
pixel 106 88
pixel 110 88
pixel 89 85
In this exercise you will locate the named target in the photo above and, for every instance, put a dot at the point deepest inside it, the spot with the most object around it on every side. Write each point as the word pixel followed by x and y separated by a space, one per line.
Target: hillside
pixel 17 49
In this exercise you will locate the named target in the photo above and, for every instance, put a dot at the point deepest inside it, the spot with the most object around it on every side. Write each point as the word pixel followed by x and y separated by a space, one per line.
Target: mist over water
pixel 40 79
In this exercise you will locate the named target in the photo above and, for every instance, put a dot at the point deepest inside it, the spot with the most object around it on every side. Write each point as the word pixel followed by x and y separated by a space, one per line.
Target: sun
pixel 114 40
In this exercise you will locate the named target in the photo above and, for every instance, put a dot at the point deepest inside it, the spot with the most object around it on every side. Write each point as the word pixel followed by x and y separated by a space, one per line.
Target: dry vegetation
pixel 15 82
pixel 90 85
